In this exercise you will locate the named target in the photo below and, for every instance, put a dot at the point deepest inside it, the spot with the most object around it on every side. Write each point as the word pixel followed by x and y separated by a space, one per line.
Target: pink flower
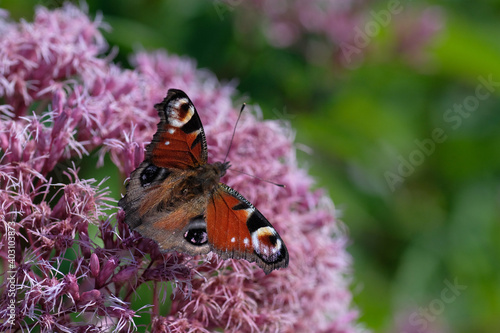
pixel 83 102
pixel 329 31
pixel 419 320
pixel 414 32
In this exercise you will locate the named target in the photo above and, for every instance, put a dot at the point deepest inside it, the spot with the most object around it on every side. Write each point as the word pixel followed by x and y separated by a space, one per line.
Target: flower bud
pixel 94 265
pixel 72 287
pixel 106 271
pixel 125 274
pixel 92 296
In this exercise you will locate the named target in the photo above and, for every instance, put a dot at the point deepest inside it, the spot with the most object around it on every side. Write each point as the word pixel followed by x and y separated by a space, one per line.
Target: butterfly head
pixel 222 167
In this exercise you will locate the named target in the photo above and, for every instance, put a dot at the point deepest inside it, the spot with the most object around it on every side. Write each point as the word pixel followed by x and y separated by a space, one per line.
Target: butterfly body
pixel 175 197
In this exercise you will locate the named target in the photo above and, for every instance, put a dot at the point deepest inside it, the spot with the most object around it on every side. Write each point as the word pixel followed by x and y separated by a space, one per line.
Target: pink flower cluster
pixel 61 98
pixel 290 20
pixel 329 30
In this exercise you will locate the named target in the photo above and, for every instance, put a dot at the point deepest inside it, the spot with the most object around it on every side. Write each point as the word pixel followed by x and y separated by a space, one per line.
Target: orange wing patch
pixel 175 149
pixel 226 227
pixel 180 140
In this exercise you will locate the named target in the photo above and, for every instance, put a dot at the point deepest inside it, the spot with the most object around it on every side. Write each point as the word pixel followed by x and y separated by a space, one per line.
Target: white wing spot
pixel 180 102
pixel 195 133
pixel 277 247
pixel 171 130
pixel 246 241
pixel 167 143
pixel 250 210
pixel 233 240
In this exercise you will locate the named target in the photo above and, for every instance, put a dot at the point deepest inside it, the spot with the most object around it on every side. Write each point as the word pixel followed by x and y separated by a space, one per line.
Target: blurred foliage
pixel 441 223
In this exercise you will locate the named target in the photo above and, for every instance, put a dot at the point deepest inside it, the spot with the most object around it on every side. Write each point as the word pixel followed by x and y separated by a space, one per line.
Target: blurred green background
pixel 434 220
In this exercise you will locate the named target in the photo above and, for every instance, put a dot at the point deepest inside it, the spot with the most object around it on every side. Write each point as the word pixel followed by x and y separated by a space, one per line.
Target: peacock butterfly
pixel 175 197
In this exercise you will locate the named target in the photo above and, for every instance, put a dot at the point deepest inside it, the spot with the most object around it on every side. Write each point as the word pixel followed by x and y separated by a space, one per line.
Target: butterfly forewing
pixel 236 229
pixel 180 140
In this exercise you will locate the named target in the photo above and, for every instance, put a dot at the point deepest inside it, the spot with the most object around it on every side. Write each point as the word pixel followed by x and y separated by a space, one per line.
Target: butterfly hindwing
pixel 180 140
pixel 236 229
pixel 168 206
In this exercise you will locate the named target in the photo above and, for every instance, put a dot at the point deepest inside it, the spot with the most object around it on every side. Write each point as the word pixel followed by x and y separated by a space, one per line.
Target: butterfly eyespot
pixel 148 175
pixel 185 107
pixel 196 236
pixel 179 112
pixel 195 232
pixel 152 173
pixel 272 240
pixel 267 245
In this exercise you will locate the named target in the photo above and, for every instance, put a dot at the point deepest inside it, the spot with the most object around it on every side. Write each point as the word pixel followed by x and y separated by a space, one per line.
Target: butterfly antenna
pixel 234 131
pixel 261 179
pixel 229 148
